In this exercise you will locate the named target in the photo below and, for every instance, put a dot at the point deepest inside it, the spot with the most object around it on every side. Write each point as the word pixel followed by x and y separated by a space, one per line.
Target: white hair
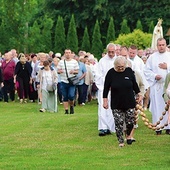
pixel 120 59
pixel 58 55
pixel 110 45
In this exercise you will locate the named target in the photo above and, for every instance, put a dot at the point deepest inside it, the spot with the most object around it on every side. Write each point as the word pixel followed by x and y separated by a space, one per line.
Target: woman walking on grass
pixel 47 78
pixel 122 83
pixel 23 72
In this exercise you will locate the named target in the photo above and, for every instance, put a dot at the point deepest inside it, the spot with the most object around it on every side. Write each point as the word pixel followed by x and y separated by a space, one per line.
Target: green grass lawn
pixel 33 140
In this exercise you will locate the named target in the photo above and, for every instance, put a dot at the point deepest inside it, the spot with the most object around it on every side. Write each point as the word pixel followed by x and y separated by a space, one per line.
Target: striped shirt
pixel 71 65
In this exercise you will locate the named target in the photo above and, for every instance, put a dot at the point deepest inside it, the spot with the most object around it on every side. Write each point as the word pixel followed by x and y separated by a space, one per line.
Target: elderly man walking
pixel 105 117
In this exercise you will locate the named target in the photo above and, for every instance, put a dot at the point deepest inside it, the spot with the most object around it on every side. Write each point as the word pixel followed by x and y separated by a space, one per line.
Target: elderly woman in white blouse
pixel 47 83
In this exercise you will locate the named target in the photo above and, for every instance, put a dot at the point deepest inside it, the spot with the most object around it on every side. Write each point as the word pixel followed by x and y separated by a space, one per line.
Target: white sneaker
pixel 83 104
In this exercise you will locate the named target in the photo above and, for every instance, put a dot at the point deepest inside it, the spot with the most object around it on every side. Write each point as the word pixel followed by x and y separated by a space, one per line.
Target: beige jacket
pixel 89 76
pixel 40 77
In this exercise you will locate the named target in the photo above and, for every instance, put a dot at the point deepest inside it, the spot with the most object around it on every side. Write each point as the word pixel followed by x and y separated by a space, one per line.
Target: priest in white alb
pixel 156 69
pixel 105 117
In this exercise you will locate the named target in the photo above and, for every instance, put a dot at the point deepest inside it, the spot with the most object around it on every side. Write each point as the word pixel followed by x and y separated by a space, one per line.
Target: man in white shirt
pixel 138 64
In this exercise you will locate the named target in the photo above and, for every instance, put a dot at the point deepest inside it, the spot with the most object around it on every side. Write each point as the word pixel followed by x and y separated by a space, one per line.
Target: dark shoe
pixel 66 111
pixel 159 132
pixel 107 132
pixel 129 141
pixel 71 110
pixel 133 140
pixel 102 133
pixel 167 131
pixel 42 110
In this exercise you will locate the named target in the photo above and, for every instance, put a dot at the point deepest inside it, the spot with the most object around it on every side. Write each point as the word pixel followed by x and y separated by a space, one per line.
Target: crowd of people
pixel 28 78
pixel 122 77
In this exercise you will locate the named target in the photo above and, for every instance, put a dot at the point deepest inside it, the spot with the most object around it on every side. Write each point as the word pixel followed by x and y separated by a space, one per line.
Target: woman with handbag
pixel 47 84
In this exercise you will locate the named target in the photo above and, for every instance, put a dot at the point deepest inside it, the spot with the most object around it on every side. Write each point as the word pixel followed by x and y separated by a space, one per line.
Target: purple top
pixel 8 69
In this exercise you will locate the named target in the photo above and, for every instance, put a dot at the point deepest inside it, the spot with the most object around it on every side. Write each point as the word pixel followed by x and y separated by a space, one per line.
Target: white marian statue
pixel 157 33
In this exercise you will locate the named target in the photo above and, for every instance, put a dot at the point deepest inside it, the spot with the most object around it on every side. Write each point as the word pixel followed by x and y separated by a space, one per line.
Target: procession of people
pixel 122 78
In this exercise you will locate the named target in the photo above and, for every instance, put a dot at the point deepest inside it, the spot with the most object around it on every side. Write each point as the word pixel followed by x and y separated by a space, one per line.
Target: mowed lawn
pixel 53 141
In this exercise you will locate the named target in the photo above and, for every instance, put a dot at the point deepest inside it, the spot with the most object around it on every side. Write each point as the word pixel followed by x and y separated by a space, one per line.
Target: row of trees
pixel 40 37
pixel 44 25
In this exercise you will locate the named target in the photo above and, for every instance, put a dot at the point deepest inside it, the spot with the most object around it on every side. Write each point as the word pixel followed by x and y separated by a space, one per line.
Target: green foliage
pixel 139 25
pixel 60 37
pixel 97 46
pixel 35 39
pixel 137 37
pixel 4 45
pixel 124 27
pixel 47 24
pixel 16 17
pixel 110 31
pixel 146 11
pixel 86 41
pixel 151 27
pixel 72 39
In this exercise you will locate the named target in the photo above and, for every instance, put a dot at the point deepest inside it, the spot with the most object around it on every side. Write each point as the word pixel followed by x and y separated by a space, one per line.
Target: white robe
pixel 157 104
pixel 138 65
pixel 105 116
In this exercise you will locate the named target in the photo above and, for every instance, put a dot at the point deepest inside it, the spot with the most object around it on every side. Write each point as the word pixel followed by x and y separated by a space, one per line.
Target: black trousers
pixel 9 88
pixel 24 87
pixel 80 93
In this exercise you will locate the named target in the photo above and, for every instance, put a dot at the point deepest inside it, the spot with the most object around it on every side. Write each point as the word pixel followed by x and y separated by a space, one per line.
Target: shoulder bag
pixel 72 80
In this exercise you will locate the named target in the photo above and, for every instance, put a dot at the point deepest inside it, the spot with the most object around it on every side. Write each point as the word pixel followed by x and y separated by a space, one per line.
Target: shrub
pixel 137 37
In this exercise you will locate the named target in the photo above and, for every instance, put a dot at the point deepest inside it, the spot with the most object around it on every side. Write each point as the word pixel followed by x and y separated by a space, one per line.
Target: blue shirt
pixel 82 70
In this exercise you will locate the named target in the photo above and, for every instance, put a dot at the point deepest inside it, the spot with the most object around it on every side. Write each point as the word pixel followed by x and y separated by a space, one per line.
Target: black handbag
pixel 72 80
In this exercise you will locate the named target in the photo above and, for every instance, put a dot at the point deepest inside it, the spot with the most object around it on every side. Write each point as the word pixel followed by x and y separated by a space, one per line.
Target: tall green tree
pixel 4 44
pixel 72 39
pixel 16 16
pixel 86 41
pixel 35 38
pixel 124 27
pixel 151 27
pixel 60 36
pixel 110 31
pixel 47 24
pixel 97 46
pixel 139 25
